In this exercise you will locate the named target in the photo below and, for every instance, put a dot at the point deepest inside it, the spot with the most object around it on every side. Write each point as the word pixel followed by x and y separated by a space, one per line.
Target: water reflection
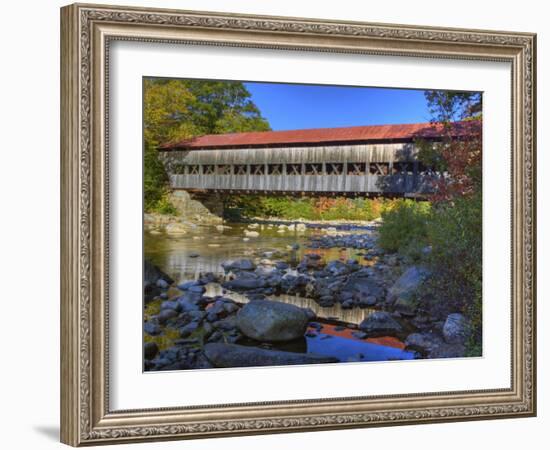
pixel 336 312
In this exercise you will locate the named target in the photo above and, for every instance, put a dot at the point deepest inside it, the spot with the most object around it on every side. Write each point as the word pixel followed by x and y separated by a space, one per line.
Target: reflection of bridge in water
pixel 378 160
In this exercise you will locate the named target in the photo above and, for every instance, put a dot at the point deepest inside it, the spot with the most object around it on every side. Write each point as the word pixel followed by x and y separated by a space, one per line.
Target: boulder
pixel 402 295
pixel 246 281
pixel 150 350
pixel 271 321
pixel 199 289
pixel 233 355
pixel 448 351
pixel 380 323
pixel 424 342
pixel 365 302
pixel 188 329
pixel 166 314
pixel 162 284
pixel 363 287
pixel 337 268
pixel 188 284
pixel 239 264
pixel 189 302
pixel 151 328
pixel 455 329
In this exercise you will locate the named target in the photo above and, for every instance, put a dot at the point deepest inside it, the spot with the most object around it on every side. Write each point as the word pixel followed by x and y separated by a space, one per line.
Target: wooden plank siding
pixel 362 168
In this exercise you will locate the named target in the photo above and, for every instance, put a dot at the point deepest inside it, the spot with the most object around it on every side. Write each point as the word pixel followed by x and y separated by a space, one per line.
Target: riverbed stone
pixel 239 264
pixel 166 314
pixel 424 342
pixel 188 329
pixel 176 228
pixel 272 321
pixel 402 295
pixel 151 328
pixel 337 268
pixel 189 302
pixel 449 351
pixel 363 287
pixel 380 323
pixel 199 289
pixel 163 284
pixel 150 350
pixel 281 265
pixel 245 281
pixel 359 334
pixel 365 302
pixel 455 329
pixel 170 304
pixel 234 355
pixel 188 284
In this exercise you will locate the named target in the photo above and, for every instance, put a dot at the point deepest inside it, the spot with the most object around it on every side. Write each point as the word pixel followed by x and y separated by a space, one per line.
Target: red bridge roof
pixel 315 136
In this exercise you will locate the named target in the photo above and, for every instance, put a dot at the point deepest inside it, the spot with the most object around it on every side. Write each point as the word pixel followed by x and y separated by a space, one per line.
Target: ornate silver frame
pixel 86 31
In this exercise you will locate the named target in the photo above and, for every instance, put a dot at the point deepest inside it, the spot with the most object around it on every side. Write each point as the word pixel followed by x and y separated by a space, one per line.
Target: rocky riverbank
pixel 189 214
pixel 190 329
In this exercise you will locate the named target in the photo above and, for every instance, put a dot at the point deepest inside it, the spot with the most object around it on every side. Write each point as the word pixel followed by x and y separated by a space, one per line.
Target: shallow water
pixel 175 254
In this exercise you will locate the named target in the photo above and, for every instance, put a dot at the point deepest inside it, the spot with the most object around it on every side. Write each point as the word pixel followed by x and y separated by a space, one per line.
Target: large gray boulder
pixel 266 320
pixel 233 355
pixel 380 323
pixel 455 329
pixel 402 295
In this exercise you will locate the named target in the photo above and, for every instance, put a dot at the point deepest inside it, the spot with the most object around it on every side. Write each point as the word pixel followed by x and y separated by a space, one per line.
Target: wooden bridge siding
pixel 367 153
pixel 391 184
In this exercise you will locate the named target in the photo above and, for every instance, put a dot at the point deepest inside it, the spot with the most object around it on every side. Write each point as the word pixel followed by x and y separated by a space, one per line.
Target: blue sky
pixel 295 106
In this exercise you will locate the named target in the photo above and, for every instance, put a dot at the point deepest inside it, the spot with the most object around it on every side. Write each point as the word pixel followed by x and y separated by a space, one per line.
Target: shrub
pixel 405 222
pixel 455 234
pixel 309 208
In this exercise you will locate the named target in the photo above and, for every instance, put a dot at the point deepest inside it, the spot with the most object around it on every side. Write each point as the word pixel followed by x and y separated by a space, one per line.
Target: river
pixel 204 248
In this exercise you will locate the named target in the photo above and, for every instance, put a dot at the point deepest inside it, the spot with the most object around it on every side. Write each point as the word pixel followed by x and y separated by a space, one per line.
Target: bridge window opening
pixel 314 169
pixel 193 169
pixel 294 169
pixel 209 169
pixel 275 169
pixel 178 169
pixel 357 168
pixel 379 168
pixel 240 169
pixel 257 169
pixel 223 169
pixel 404 168
pixel 334 168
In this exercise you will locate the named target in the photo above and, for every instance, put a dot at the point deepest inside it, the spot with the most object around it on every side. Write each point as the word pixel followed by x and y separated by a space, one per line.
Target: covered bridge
pixel 362 159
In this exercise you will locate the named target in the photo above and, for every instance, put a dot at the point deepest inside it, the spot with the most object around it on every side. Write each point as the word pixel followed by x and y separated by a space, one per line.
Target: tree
pixel 457 158
pixel 182 109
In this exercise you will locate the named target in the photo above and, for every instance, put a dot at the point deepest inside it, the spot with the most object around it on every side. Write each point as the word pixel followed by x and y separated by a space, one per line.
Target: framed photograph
pixel 276 224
